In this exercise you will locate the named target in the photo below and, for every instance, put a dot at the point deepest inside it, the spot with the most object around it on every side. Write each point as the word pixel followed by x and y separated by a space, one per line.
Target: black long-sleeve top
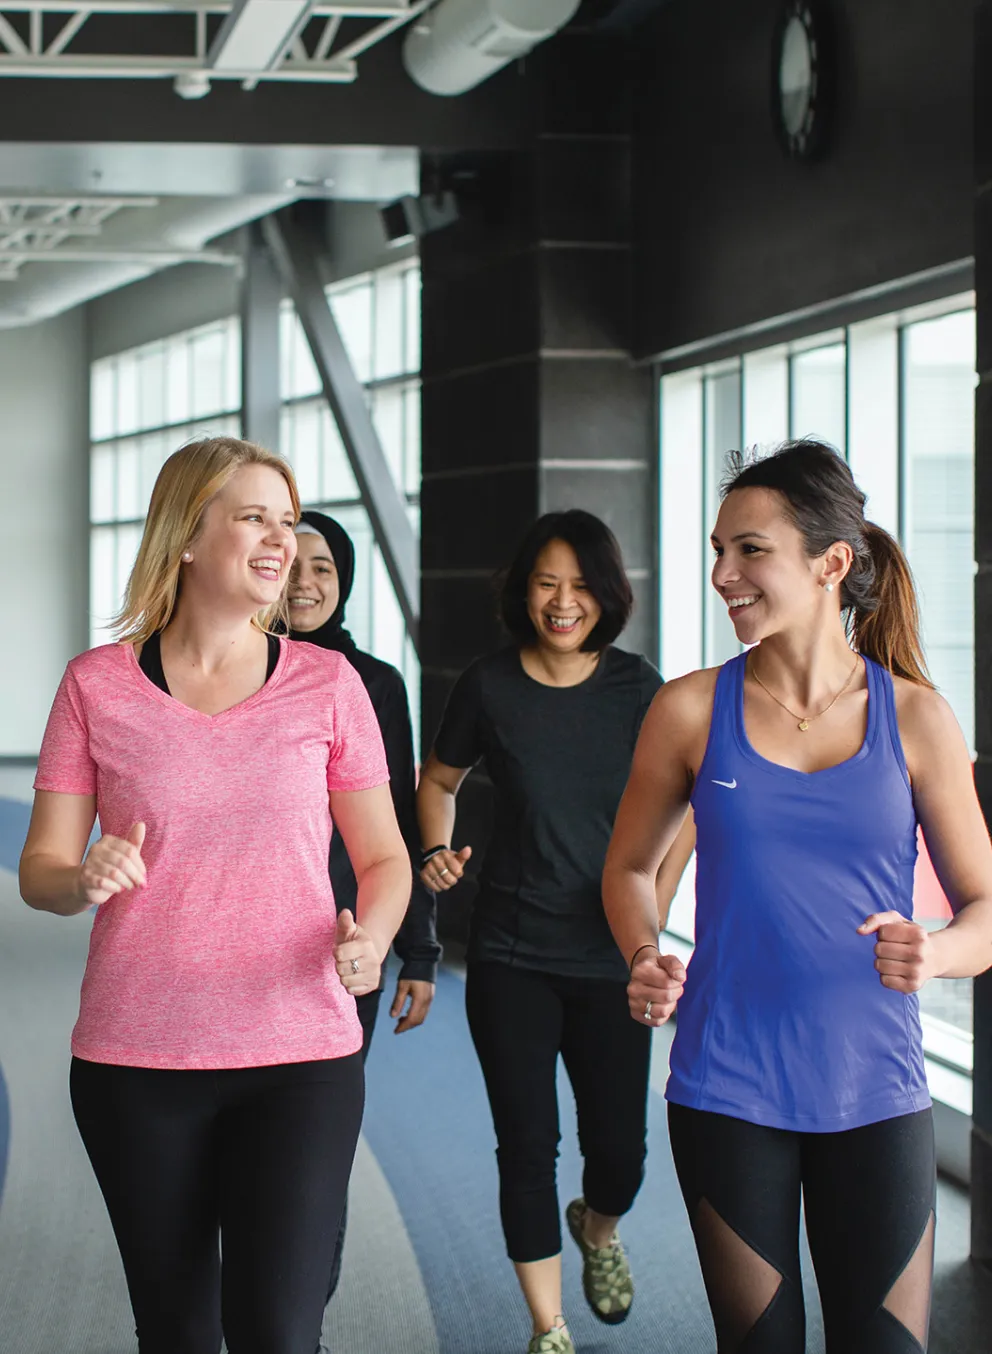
pixel 416 941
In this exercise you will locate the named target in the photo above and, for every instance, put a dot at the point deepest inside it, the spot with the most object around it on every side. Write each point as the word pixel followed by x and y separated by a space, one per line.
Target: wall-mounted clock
pixel 802 78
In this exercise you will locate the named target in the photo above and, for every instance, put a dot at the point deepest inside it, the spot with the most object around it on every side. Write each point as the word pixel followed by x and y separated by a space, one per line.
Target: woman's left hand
pixel 656 983
pixel 905 953
pixel 420 995
pixel 355 956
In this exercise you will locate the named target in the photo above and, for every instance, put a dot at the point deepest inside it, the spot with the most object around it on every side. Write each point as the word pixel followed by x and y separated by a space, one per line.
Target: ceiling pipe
pixel 459 43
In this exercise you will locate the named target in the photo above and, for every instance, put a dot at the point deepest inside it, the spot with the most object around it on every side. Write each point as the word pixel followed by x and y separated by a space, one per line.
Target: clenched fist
pixel 905 955
pixel 355 956
pixel 655 986
pixel 111 865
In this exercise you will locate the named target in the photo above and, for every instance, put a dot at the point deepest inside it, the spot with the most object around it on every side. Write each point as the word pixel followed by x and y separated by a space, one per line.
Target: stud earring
pixel 828 587
pixel 188 557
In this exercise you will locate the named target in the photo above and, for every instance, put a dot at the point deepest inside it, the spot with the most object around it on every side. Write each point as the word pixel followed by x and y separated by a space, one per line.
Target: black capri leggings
pixel 257 1159
pixel 520 1021
pixel 868 1196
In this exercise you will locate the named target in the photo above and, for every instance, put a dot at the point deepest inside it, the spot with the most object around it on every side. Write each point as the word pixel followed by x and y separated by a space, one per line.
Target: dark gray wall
pixel 383 107
pixel 728 230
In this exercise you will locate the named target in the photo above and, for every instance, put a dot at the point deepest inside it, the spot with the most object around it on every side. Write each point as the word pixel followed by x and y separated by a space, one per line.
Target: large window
pixel 896 397
pixel 379 318
pixel 145 403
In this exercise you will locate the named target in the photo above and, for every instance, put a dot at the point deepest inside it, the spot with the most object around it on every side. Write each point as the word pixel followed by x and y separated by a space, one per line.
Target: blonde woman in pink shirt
pixel 216 1076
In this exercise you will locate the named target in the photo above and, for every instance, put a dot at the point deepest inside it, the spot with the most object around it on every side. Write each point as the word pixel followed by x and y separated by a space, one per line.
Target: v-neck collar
pixel 232 711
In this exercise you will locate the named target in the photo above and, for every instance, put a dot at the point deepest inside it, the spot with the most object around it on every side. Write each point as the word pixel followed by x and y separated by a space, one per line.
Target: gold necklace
pixel 804 721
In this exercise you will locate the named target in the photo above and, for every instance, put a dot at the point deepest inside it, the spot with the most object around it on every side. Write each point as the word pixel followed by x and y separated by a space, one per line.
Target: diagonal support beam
pixel 295 251
pixel 261 299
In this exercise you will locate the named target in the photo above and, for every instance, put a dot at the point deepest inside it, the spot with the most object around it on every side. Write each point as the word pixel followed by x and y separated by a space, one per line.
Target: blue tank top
pixel 784 1021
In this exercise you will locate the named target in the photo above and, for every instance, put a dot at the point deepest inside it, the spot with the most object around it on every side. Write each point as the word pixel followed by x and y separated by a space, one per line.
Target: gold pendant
pixel 803 725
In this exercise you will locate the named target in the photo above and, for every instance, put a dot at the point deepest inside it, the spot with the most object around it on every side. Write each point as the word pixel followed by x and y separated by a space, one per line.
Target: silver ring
pixel 442 872
pixel 647 1010
pixel 355 967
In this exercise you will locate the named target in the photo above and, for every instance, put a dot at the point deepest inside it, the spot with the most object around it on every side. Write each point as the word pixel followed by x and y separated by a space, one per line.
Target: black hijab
pixel 332 634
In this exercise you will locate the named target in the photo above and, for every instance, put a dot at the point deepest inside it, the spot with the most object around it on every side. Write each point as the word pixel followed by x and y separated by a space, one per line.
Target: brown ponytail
pixel 878 596
pixel 885 625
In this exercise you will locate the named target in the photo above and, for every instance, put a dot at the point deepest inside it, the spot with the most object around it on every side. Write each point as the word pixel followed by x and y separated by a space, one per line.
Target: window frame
pixel 948 1047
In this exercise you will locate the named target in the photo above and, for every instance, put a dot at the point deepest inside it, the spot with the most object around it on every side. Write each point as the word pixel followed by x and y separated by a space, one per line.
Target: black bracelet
pixel 646 946
pixel 431 851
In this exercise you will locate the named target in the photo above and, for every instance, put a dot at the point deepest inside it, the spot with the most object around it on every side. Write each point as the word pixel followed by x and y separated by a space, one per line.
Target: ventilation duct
pixel 460 43
pixel 45 289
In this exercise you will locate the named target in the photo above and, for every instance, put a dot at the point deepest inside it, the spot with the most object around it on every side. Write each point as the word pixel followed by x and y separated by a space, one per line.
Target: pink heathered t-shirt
pixel 225 958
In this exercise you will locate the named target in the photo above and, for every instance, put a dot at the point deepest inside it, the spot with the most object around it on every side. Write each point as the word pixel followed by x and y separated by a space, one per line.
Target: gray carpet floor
pixel 62 1289
pixel 61 1286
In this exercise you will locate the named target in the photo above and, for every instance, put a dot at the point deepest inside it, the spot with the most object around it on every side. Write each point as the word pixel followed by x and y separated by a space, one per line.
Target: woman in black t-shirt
pixel 554 720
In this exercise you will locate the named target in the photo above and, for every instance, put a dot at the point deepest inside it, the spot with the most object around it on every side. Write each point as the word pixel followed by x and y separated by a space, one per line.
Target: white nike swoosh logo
pixel 730 784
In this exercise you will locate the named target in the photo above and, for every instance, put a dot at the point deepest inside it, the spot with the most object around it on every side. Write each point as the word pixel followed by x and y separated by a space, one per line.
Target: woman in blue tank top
pixel 797 1069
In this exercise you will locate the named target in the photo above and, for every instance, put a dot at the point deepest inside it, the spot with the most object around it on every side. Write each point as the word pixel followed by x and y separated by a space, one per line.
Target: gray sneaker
pixel 606 1277
pixel 554 1341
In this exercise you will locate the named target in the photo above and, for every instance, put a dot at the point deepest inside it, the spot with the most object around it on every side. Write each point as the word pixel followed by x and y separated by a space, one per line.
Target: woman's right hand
pixel 444 870
pixel 111 865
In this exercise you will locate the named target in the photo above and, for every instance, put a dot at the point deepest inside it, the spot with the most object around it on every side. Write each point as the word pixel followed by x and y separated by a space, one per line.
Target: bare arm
pixel 650 818
pixel 366 820
pixel 58 874
pixel 436 794
pixel 673 868
pixel 954 829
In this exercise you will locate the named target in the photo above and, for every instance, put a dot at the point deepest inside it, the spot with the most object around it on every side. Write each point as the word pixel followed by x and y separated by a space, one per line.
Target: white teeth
pixel 274 564
pixel 302 601
pixel 563 622
pixel 735 603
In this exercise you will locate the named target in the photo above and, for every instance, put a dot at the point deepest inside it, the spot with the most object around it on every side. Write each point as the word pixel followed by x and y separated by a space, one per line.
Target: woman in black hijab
pixel 319 588
pixel 321 583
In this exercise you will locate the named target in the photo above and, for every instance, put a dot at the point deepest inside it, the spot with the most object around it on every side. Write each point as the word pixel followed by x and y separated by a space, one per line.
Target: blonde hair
pixel 187 482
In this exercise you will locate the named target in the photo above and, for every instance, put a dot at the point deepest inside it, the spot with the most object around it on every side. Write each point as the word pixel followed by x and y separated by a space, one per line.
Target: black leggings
pixel 367 1008
pixel 520 1021
pixel 257 1158
pixel 868 1197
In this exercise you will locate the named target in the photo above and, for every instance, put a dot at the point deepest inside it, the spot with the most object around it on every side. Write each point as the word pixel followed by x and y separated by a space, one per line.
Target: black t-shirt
pixel 558 759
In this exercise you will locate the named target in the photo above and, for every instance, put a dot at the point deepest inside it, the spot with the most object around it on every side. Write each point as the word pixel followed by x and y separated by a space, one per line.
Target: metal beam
pixel 69 67
pixel 159 258
pixel 295 250
pixel 261 299
pixel 358 10
pixel 257 33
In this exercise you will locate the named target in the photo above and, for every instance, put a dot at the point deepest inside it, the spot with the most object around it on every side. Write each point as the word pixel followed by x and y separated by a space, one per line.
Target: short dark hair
pixel 600 560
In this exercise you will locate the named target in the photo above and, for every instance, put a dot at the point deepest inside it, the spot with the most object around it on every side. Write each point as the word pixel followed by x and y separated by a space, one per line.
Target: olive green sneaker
pixel 554 1341
pixel 606 1277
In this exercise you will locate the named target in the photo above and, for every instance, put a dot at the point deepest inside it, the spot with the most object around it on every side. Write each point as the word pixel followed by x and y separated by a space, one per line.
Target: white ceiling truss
pixel 299 40
pixel 49 230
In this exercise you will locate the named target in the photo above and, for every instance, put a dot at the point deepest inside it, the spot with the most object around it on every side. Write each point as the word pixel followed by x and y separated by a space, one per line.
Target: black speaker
pixel 408 218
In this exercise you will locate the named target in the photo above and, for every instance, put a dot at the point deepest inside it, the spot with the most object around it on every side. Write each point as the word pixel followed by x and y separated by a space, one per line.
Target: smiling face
pixel 761 570
pixel 561 608
pixel 314 588
pixel 246 545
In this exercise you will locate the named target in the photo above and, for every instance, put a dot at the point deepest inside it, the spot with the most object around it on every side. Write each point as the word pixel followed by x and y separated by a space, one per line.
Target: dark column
pixel 530 400
pixel 981 1142
pixel 261 297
